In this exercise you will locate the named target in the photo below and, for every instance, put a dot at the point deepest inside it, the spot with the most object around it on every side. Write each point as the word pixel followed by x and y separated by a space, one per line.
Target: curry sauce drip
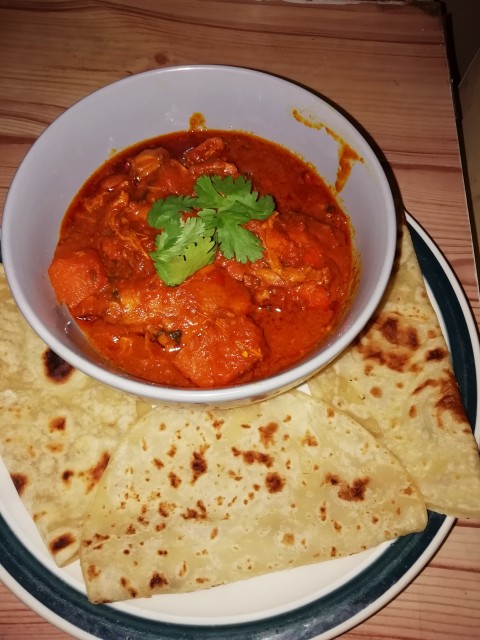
pixel 229 322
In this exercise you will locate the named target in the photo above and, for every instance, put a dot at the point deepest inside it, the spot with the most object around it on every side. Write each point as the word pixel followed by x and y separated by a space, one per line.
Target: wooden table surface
pixel 385 64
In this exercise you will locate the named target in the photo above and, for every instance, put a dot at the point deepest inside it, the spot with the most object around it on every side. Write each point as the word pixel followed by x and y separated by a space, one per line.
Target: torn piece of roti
pixel 58 428
pixel 397 380
pixel 194 498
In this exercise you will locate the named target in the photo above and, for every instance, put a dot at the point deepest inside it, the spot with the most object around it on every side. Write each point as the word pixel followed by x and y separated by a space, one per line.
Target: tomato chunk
pixel 76 276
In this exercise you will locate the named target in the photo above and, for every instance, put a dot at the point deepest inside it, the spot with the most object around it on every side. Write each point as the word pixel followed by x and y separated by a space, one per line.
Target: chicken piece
pixel 171 179
pixel 147 162
pixel 77 276
pixel 160 175
pixel 208 158
pixel 215 290
pixel 221 351
pixel 206 150
pixel 213 168
pixel 285 274
pixel 145 303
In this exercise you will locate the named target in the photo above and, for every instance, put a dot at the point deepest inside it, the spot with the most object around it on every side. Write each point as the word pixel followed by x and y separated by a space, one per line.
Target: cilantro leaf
pixel 228 193
pixel 174 269
pixel 174 240
pixel 166 210
pixel 237 242
pixel 223 205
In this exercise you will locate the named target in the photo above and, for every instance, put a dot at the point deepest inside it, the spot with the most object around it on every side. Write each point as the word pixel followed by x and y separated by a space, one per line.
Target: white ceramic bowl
pixel 157 102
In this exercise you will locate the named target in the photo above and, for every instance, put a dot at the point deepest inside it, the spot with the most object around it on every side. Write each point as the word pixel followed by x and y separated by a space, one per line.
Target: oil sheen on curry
pixel 205 259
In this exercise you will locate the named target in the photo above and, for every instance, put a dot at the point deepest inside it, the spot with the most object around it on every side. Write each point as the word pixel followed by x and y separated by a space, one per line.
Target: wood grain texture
pixel 385 64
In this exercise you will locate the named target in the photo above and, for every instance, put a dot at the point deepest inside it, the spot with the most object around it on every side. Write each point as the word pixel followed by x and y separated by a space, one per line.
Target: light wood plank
pixel 385 64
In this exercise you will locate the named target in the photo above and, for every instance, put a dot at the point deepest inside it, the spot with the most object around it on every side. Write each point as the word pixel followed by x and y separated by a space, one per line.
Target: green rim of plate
pixel 324 615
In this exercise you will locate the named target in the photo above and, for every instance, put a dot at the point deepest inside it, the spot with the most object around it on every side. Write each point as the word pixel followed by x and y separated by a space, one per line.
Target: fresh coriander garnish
pixel 222 206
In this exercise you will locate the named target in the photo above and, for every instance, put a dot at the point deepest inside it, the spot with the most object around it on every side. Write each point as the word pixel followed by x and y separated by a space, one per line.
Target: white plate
pixel 317 601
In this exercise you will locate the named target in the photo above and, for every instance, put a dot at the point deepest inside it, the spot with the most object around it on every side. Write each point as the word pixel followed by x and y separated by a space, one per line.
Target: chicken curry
pixel 204 259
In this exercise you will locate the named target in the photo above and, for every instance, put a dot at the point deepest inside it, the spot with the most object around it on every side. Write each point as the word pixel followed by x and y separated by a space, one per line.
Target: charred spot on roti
pixel 196 513
pixel 56 369
pixel 20 481
pixel 376 392
pixel 354 492
pixel 158 580
pixel 392 359
pixel 55 447
pixel 175 481
pixel 93 572
pixel 392 330
pixel 250 456
pixel 403 339
pixel 368 369
pixel 333 552
pixel 95 473
pixel 332 478
pixel 427 383
pixel 158 463
pixel 288 539
pixel 267 434
pixel 323 512
pixel 128 588
pixel 101 536
pixel 198 463
pixel 217 423
pixel 330 412
pixel 172 451
pixel 412 412
pixel 337 526
pixel 309 440
pixel 165 509
pixel 274 482
pixel 450 400
pixel 141 518
pixel 57 424
pixel 62 542
pixel 66 475
pixel 436 354
pixel 130 530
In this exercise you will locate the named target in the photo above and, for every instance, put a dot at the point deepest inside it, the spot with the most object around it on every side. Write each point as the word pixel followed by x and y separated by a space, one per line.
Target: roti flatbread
pixel 57 430
pixel 195 498
pixel 397 380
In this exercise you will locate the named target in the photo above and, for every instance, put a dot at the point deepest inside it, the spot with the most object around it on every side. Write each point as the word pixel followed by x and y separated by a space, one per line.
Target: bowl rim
pixel 250 391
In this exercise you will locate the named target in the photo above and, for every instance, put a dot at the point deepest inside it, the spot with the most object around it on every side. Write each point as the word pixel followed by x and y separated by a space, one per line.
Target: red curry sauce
pixel 228 323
